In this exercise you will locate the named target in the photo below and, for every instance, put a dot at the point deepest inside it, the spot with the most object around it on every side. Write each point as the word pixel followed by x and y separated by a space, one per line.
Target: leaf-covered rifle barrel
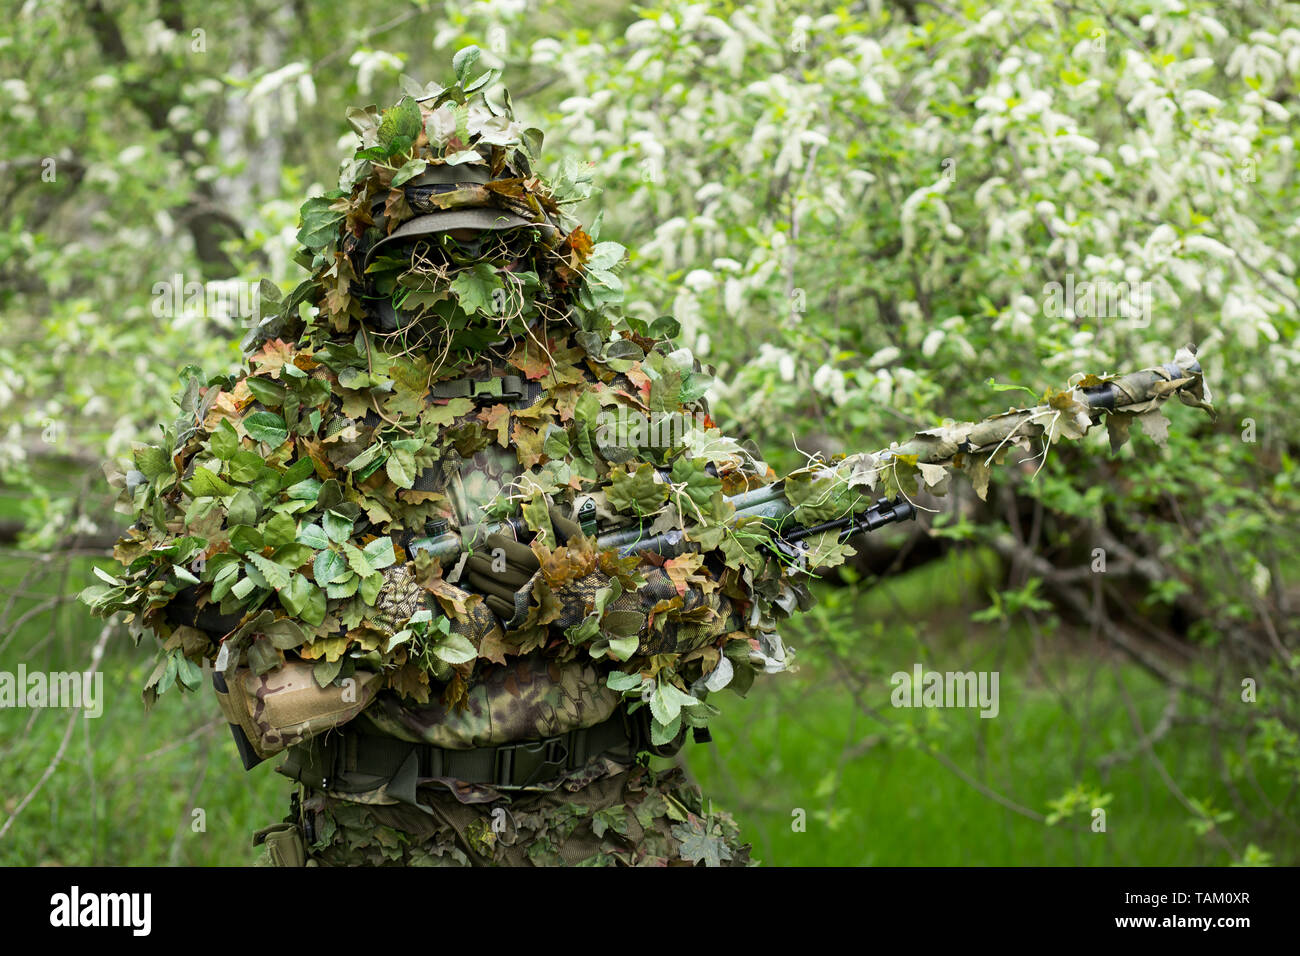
pixel 1137 386
pixel 1068 414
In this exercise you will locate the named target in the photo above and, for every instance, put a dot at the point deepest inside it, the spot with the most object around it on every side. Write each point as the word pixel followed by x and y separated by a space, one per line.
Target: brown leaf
pixel 497 419
pixel 274 356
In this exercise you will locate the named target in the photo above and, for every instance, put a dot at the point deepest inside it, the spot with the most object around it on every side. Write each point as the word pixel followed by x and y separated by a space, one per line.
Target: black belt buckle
pixel 520 765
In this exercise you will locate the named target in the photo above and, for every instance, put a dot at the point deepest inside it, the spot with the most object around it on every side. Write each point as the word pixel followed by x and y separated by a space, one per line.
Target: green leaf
pixel 299 597
pixel 556 445
pixel 464 61
pixel 319 223
pixel 246 467
pixel 106 577
pixel 344 588
pixel 263 656
pixel 584 630
pixel 620 681
pixel 331 495
pixel 375 453
pixel 188 673
pixel 667 702
pixel 587 409
pixel 152 461
pixel 622 624
pixel 408 172
pixel 280 530
pixel 284 633
pixel 357 561
pixel 455 649
pixel 306 490
pixel 223 580
pixel 225 441
pixel 204 484
pixel 401 468
pixel 604 257
pixel 330 568
pixel 473 288
pixel 637 492
pixel 267 392
pixel 243 588
pixel 463 156
pixel 400 126
pixel 277 576
pixel 245 539
pixel 292 555
pixel 169 674
pixel 299 471
pixel 1002 387
pixel 665 326
pixel 697 845
pixel 660 708
pixel 313 536
pixel 338 527
pixel 661 734
pixel 267 427
pixel 622 648
pixel 325 671
pixel 182 574
pixel 370 586
pixel 379 553
pixel 700 485
pixel 694 385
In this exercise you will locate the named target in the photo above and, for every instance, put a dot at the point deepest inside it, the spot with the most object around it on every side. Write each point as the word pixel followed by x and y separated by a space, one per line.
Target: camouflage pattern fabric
pixel 479 481
pixel 525 699
pixel 286 706
pixel 638 817
pixel 399 598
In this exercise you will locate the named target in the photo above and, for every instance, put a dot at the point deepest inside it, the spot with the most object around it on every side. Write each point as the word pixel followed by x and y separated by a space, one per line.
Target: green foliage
pixel 857 217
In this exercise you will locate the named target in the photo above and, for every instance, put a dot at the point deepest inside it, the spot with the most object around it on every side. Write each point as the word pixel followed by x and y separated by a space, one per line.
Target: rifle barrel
pixel 769 504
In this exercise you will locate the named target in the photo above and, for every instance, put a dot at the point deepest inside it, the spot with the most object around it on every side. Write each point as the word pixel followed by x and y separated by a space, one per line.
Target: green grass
pixel 873 791
pixel 129 780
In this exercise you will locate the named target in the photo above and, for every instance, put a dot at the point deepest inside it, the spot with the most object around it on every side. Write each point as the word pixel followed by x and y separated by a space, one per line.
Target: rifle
pixel 1136 393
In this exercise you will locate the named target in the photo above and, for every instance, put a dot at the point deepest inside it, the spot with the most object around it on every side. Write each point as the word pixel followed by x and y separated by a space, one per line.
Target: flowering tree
pixel 869 217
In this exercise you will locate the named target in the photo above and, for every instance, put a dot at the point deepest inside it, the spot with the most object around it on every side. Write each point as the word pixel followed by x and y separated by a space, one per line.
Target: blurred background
pixel 858 212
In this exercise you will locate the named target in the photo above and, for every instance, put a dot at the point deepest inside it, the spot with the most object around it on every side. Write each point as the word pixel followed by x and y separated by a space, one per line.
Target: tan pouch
pixel 286 706
pixel 284 844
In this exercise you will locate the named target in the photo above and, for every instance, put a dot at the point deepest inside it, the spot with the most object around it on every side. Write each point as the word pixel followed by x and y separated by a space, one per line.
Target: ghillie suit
pixel 463 539
pixel 457 359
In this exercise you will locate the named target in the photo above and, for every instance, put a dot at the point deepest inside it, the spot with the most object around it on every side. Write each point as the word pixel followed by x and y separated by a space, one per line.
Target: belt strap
pixel 505 388
pixel 351 762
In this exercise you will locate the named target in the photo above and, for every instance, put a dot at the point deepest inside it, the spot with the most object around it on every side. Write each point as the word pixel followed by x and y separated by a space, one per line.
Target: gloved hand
pixel 501 568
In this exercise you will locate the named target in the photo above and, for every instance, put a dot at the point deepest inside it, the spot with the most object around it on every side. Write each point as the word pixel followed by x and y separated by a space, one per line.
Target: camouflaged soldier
pixel 456 369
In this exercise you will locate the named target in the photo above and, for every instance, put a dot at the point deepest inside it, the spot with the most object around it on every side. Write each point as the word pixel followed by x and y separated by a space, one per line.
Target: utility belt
pixel 350 761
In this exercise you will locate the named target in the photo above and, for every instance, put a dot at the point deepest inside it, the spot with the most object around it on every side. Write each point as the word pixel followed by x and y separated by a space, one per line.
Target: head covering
pixel 478 215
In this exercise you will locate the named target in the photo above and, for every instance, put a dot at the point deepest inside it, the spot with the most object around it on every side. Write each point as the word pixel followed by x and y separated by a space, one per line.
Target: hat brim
pixel 477 217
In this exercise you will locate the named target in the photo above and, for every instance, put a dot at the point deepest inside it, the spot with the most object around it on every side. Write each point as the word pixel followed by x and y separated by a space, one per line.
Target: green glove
pixel 501 568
